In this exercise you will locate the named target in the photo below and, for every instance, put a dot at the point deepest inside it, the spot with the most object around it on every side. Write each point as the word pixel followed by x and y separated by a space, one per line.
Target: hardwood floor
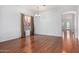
pixel 35 44
pixel 70 43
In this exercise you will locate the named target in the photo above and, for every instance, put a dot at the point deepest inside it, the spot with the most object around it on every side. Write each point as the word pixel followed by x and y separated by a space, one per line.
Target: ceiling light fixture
pixel 37 11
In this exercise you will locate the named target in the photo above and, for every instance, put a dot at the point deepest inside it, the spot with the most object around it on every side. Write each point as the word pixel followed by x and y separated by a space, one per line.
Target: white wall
pixel 76 25
pixel 78 22
pixel 10 22
pixel 49 23
pixel 0 20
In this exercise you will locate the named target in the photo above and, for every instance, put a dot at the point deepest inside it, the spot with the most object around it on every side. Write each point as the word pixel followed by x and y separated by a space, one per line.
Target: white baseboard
pixel 50 35
pixel 2 39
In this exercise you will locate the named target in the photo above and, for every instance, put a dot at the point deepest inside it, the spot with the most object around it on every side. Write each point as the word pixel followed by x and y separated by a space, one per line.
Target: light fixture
pixel 39 8
pixel 37 11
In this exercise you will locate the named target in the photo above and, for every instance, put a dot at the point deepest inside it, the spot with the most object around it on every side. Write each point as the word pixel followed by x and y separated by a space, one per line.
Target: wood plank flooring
pixel 34 44
pixel 70 43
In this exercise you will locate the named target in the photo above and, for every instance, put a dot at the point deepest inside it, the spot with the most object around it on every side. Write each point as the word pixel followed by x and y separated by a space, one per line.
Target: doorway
pixel 27 25
pixel 68 30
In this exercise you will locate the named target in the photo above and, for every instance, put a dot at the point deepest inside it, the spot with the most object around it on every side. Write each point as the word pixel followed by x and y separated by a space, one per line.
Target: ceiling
pixel 41 8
